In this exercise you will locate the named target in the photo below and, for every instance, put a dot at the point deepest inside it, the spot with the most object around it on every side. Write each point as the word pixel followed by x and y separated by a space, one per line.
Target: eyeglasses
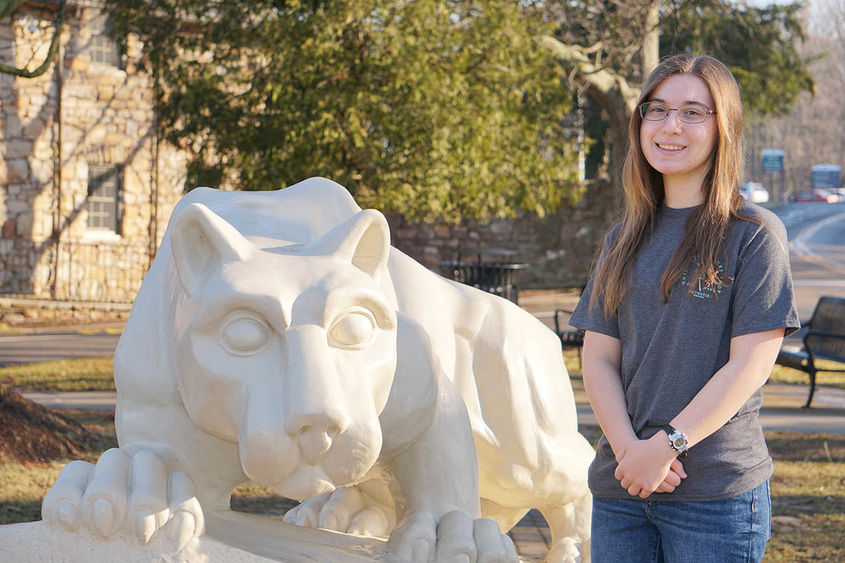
pixel 688 113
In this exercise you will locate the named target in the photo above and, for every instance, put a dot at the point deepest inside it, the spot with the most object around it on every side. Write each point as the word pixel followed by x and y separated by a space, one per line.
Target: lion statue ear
pixel 200 238
pixel 362 240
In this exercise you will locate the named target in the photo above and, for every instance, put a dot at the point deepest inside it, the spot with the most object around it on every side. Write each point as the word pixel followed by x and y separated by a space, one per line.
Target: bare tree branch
pixel 7 8
pixel 602 79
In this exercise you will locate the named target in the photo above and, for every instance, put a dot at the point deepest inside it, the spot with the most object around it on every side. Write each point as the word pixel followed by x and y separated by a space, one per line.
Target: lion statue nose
pixel 314 434
pixel 314 444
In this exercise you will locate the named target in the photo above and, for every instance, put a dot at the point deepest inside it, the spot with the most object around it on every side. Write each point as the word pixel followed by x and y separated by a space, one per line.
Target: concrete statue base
pixel 230 536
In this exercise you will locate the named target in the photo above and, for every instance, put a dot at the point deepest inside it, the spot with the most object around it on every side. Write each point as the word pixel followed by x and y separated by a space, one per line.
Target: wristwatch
pixel 677 440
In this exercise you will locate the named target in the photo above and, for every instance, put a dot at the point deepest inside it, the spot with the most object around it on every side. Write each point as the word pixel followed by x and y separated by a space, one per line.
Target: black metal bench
pixel 568 337
pixel 824 339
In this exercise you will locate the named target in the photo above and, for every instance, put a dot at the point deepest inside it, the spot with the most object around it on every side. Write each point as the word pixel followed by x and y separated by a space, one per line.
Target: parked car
pixel 754 191
pixel 816 194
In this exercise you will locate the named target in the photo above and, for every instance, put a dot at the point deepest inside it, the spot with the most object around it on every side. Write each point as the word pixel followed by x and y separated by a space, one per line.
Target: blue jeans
pixel 636 530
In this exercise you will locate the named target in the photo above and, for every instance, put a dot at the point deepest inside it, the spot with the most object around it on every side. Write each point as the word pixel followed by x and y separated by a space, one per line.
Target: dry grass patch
pixel 808 497
pixel 80 374
pixel 782 374
pixel 23 485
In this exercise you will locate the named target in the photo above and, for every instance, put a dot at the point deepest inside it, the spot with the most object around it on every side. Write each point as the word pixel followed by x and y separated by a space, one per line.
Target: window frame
pixel 103 48
pixel 104 210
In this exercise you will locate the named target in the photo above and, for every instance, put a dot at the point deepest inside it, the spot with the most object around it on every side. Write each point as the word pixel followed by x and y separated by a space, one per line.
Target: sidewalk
pixel 781 410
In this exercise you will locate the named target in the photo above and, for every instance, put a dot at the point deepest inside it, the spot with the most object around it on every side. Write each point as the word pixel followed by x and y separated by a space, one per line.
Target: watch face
pixel 679 442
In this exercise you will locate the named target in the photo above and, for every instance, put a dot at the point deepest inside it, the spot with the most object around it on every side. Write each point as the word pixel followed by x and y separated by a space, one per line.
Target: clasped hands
pixel 646 466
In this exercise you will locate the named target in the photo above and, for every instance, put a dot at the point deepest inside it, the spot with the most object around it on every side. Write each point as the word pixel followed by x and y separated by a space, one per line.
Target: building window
pixel 104 49
pixel 103 202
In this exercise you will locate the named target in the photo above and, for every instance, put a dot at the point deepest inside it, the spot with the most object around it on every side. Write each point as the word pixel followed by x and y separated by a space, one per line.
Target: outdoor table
pixel 493 276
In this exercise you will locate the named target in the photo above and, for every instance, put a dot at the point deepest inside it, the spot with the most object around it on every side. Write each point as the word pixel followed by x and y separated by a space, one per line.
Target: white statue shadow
pixel 279 339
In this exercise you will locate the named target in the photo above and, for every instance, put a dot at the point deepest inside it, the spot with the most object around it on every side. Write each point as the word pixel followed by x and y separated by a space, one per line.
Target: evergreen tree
pixel 434 109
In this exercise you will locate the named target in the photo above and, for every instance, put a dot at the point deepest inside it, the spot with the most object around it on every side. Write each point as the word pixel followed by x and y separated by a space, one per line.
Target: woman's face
pixel 681 151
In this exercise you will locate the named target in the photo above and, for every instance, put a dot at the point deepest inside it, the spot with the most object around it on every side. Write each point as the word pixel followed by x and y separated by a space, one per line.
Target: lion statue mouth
pixel 307 481
pixel 290 475
pixel 292 467
pixel 294 477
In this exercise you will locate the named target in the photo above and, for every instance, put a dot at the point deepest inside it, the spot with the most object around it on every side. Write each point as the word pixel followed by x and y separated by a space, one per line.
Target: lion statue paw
pixel 457 537
pixel 133 493
pixel 361 510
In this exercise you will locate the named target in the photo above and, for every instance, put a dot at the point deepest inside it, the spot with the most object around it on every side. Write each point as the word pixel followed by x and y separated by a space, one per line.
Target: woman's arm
pixel 751 359
pixel 602 358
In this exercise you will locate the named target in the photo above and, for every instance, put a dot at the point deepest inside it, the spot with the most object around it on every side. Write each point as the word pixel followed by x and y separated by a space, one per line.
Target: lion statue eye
pixel 353 329
pixel 243 335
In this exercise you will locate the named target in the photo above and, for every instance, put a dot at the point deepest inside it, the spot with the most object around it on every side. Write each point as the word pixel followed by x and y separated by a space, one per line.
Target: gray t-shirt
pixel 671 350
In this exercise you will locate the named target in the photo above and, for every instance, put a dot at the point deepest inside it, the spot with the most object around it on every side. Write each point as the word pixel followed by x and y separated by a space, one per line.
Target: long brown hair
pixel 708 225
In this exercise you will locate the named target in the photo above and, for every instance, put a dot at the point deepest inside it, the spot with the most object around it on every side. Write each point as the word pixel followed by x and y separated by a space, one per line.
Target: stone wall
pixel 559 248
pixel 81 113
pixel 28 312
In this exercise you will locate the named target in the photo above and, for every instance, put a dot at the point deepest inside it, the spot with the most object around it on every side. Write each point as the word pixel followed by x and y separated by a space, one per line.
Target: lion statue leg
pixel 125 490
pixel 570 527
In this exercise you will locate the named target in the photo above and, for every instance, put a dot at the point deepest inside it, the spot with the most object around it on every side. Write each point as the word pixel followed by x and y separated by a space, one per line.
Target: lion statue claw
pixel 279 339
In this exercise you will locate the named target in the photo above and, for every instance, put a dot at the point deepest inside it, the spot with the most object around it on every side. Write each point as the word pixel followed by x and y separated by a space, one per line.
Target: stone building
pixel 87 188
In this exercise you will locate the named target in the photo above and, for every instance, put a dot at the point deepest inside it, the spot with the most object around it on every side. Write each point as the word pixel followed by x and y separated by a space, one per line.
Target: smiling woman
pixel 681 333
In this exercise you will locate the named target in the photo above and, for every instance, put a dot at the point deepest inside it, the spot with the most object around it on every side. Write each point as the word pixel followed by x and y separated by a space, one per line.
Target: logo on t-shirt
pixel 700 288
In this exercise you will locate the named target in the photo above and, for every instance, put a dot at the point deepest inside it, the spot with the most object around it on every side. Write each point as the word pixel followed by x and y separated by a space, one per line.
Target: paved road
pixel 40 347
pixel 816 232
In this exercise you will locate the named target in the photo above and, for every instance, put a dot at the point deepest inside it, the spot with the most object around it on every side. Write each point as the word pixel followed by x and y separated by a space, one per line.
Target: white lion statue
pixel 279 339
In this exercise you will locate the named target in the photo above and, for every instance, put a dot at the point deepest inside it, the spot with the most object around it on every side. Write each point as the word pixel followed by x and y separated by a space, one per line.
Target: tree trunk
pixel 610 90
pixel 650 53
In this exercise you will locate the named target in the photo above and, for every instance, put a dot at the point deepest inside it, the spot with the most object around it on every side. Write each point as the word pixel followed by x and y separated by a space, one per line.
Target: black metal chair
pixel 824 339
pixel 569 337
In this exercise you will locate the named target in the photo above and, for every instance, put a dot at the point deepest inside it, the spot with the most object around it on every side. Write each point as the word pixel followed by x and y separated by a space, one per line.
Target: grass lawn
pixel 81 374
pixel 22 486
pixel 95 374
pixel 788 375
